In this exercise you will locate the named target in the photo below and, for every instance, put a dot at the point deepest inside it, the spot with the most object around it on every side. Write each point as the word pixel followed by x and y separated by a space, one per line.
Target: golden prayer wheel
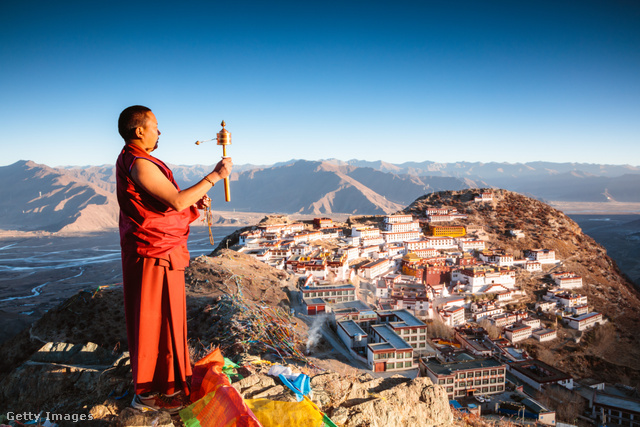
pixel 223 138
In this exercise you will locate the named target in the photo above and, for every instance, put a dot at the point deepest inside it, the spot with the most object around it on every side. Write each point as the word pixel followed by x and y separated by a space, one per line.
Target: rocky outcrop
pixel 390 402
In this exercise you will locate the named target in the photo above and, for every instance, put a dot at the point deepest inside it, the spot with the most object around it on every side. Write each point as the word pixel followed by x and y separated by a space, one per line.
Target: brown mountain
pixel 323 187
pixel 37 197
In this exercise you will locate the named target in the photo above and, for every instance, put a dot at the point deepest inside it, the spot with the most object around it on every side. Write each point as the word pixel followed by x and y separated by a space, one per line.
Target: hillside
pixel 86 371
pixel 37 197
pixel 613 355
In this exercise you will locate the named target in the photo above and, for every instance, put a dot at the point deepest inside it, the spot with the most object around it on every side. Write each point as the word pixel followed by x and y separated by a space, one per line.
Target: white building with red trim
pixel 436 211
pixel 585 321
pixel 365 232
pixel 579 310
pixel 396 227
pixel 517 332
pixel 567 280
pixel 543 335
pixel 375 268
pixel 532 266
pixel 442 242
pixel 468 245
pixel 544 256
pixel 401 236
pixel 483 197
pixel 496 256
pixel 569 300
pixel 397 219
pixel 453 316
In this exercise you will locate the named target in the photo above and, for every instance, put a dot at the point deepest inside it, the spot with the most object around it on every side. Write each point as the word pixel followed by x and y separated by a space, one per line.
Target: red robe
pixel 153 238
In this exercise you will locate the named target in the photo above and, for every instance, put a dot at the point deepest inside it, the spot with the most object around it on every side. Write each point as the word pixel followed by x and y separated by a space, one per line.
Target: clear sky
pixel 398 81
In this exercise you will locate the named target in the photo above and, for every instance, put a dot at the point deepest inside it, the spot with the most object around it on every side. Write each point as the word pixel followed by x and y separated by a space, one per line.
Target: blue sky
pixel 443 81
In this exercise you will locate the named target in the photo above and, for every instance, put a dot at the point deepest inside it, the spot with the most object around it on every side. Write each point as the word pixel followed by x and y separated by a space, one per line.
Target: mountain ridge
pixel 82 198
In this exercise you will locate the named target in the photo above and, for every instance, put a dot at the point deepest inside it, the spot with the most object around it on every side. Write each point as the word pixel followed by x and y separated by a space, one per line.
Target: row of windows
pixel 341 299
pixel 331 293
pixel 379 356
pixel 462 384
pixel 491 389
pixel 391 365
pixel 481 373
pixel 412 331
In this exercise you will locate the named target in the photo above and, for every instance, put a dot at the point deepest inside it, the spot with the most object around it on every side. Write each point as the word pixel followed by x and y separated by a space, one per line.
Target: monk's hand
pixel 203 203
pixel 223 168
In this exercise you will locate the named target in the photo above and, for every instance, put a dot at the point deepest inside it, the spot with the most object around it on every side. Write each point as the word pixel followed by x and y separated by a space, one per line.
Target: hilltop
pixel 608 290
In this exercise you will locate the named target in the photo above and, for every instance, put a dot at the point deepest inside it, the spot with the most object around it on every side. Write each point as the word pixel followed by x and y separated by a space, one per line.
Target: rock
pixel 389 402
pixel 99 411
pixel 130 417
pixel 254 384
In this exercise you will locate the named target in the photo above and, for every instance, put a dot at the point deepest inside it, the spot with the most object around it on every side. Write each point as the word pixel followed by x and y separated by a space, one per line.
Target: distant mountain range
pixel 38 197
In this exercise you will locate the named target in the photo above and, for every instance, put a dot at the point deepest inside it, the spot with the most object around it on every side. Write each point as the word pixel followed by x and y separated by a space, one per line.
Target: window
pixel 485 381
pixel 478 374
pixel 449 380
pixel 500 371
pixel 390 365
pixel 492 388
pixel 469 383
pixel 500 388
pixel 485 373
pixel 477 382
pixel 493 380
pixel 493 372
pixel 462 375
pixel 441 382
pixel 407 364
pixel 449 389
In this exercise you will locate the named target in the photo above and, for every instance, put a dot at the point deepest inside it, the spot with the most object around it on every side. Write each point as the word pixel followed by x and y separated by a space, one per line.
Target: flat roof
pixel 405 317
pixel 374 263
pixel 355 305
pixel 539 371
pixel 352 328
pixel 327 288
pixel 381 346
pixel 391 337
pixel 314 301
pixel 618 402
pixel 450 368
pixel 585 316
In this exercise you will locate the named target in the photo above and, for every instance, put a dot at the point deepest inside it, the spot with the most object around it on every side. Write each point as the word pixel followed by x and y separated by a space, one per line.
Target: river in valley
pixel 38 273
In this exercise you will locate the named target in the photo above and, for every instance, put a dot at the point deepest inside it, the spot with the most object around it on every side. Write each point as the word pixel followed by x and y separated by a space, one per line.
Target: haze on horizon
pixel 405 81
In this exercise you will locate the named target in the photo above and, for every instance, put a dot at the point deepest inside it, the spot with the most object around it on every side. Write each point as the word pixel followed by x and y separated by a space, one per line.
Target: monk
pixel 154 226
